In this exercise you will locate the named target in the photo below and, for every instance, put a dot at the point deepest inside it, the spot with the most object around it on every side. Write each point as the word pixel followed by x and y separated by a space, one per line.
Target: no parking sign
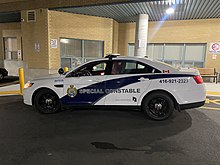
pixel 214 48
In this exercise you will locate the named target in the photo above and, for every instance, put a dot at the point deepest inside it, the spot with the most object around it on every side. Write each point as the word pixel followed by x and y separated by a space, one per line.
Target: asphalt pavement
pixel 104 137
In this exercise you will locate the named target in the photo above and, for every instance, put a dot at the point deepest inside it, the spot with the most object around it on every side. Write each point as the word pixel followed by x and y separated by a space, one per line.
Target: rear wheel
pixel 46 101
pixel 158 106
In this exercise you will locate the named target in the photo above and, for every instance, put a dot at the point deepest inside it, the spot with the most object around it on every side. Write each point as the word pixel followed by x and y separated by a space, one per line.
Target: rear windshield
pixel 168 65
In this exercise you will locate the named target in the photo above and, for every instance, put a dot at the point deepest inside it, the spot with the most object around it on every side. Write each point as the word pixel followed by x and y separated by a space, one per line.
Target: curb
pixel 16 92
pixel 213 93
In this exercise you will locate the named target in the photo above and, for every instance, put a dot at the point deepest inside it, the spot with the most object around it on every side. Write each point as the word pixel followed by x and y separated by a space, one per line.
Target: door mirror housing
pixel 61 71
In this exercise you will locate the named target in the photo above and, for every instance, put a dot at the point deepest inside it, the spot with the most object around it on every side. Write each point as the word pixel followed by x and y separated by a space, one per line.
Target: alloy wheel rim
pixel 159 107
pixel 48 102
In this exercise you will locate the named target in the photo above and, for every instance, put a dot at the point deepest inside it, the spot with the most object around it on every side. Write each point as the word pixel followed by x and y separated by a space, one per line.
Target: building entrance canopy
pixel 120 10
pixel 126 12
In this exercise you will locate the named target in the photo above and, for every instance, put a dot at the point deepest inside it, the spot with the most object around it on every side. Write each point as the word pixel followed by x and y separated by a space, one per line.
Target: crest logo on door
pixel 71 91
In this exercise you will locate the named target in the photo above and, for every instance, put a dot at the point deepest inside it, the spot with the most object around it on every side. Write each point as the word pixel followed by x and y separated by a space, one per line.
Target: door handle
pixel 143 79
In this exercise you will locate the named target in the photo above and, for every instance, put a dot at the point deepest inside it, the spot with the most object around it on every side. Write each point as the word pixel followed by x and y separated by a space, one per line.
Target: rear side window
pixel 131 67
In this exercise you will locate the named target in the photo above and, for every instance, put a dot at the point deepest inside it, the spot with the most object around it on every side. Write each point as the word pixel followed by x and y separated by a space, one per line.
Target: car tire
pixel 1 76
pixel 46 101
pixel 158 106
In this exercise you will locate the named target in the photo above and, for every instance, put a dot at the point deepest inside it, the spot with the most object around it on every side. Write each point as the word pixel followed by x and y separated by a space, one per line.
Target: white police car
pixel 153 86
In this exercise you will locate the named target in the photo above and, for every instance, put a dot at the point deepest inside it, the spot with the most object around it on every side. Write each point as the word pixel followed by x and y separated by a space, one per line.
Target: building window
pixel 93 50
pixel 74 52
pixel 11 49
pixel 178 55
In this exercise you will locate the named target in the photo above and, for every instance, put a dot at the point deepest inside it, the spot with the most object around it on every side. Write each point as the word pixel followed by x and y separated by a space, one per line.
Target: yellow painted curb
pixel 10 92
pixel 207 101
pixel 213 93
pixel 212 108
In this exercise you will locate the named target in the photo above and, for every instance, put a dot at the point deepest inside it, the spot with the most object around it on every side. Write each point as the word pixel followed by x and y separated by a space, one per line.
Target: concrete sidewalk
pixel 212 89
pixel 10 90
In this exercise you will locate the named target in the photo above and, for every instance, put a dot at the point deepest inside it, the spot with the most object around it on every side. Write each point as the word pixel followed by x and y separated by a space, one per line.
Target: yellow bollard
pixel 66 69
pixel 21 79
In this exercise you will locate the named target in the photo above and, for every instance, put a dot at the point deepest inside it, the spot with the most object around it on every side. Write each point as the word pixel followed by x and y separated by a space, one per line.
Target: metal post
pixel 21 79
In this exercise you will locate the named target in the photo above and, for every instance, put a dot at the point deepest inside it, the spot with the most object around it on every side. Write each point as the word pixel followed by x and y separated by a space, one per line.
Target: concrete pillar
pixel 141 35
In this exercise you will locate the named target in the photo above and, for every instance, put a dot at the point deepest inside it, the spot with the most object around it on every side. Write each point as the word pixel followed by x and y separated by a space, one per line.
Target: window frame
pixel 82 57
pixel 16 52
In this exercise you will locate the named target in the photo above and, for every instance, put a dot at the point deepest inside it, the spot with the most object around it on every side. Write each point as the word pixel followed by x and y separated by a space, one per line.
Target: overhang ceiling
pixel 126 12
pixel 18 5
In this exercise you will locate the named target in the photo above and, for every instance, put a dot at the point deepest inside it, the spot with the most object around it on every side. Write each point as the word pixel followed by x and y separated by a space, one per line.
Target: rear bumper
pixel 191 105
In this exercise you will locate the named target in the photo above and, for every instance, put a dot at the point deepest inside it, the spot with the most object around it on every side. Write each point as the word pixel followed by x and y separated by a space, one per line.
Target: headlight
pixel 28 84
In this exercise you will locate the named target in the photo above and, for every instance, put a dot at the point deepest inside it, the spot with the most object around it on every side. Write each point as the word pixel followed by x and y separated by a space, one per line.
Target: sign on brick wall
pixel 53 43
pixel 214 48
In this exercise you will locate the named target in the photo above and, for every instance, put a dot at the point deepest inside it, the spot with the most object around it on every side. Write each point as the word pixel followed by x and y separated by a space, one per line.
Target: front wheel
pixel 158 106
pixel 46 101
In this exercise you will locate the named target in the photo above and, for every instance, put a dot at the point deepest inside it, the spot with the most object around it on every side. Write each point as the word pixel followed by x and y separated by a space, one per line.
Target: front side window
pixel 97 68
pixel 131 67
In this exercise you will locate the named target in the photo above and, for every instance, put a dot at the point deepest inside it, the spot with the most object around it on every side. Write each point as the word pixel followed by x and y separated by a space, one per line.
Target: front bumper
pixel 191 105
pixel 27 95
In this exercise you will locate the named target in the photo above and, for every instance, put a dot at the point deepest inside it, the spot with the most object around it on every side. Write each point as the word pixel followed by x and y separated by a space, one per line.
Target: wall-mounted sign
pixel 53 43
pixel 214 48
pixel 37 47
pixel 19 54
pixel 141 43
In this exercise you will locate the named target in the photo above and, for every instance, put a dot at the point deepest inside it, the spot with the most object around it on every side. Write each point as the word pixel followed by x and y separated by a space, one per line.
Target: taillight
pixel 198 79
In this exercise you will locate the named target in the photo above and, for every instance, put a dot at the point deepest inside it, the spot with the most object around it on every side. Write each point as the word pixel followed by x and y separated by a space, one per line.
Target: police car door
pixel 85 85
pixel 127 82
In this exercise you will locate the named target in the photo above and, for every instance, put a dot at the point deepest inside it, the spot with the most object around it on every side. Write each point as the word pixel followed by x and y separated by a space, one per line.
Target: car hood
pixel 51 77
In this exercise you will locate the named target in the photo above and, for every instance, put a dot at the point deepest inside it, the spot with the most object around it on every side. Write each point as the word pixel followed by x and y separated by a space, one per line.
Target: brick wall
pixel 68 25
pixel 34 33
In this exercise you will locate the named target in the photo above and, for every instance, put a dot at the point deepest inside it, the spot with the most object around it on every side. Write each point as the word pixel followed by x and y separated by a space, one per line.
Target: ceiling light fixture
pixel 170 10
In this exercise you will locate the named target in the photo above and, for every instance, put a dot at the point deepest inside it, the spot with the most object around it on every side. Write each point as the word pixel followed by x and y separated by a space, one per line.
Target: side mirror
pixel 61 71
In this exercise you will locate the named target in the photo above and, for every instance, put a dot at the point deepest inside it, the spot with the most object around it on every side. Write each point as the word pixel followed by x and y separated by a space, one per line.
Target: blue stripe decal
pixel 91 99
